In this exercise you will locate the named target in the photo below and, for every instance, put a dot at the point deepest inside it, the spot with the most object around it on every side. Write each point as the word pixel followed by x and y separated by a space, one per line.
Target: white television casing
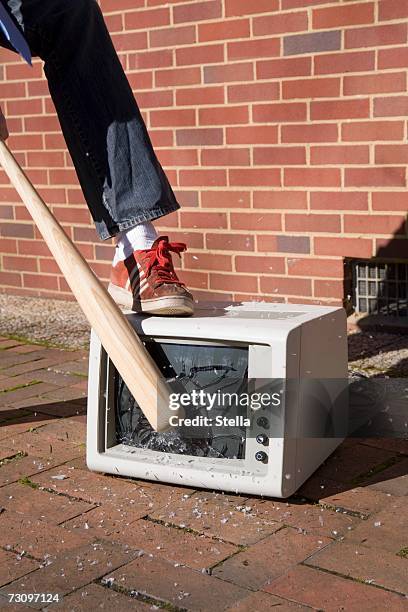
pixel 285 341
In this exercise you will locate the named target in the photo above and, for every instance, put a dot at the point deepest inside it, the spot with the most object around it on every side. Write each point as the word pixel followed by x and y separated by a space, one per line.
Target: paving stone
pixel 21 424
pixel 11 607
pixel 311 519
pixel 175 545
pixel 59 409
pixel 179 586
pixel 316 488
pixel 26 392
pixel 394 480
pixel 6 452
pixel 221 516
pixel 107 519
pixel 65 430
pixel 79 366
pixel 39 539
pixel 19 467
pixel 13 566
pixel 386 529
pixel 269 558
pixel 397 445
pixel 72 570
pixel 41 444
pixel 260 602
pixel 64 394
pixel 24 348
pixel 93 487
pixel 23 499
pixel 351 461
pixel 6 343
pixel 331 593
pixel 362 500
pixel 56 356
pixel 373 565
pixel 97 597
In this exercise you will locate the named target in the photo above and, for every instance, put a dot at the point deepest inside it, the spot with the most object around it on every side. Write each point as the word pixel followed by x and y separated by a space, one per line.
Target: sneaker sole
pixel 159 306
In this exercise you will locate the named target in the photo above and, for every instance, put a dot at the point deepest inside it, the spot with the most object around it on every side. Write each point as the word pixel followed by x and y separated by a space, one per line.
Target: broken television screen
pixel 219 374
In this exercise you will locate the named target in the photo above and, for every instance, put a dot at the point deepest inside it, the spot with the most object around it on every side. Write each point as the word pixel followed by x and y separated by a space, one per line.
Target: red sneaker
pixel 146 281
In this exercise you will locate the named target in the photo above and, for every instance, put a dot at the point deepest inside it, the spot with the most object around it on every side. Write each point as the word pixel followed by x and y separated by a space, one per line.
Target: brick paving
pixel 103 542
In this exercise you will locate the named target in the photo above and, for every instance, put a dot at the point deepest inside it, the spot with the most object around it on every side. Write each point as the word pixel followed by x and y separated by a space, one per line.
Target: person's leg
pixel 122 180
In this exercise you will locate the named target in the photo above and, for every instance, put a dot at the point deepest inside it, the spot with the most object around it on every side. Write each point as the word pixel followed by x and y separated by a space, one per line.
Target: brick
pixel 286 286
pixel 268 156
pixel 197 11
pixel 372 130
pixel 319 132
pixel 384 530
pixel 386 176
pixel 372 84
pixel 280 68
pixel 264 601
pixel 314 42
pixel 339 155
pixel 255 177
pixel 312 177
pixel 23 500
pixel 392 9
pixel 396 248
pixel 396 57
pixel 329 289
pixel 223 30
pixel 340 109
pixel 200 136
pixel 44 281
pixel 150 59
pixel 208 261
pixel 177 157
pixel 152 18
pixel 225 73
pixel 260 265
pixel 262 134
pixel 313 267
pixel 90 597
pixel 327 200
pixel 223 116
pixel 376 224
pixel 253 92
pixel 6 212
pixel 199 96
pixel 264 47
pixel 169 37
pixel 214 220
pixel 280 199
pixel 13 567
pixel 391 154
pixel 229 242
pixel 359 61
pixel 199 177
pixel 338 16
pixel 177 76
pixel 176 117
pixel 395 106
pixel 266 560
pixel 225 157
pixel 73 569
pixel 309 586
pixel 204 512
pixel 312 223
pixel 207 54
pixel 376 36
pixel 234 8
pixel 311 88
pixel 256 221
pixel 386 570
pixel 234 282
pixel 36 537
pixel 111 5
pixel 280 23
pixel 225 199
pixel 385 200
pixel 280 112
pixel 130 41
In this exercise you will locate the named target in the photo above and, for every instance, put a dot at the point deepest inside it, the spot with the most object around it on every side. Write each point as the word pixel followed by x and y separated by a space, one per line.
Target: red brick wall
pixel 281 125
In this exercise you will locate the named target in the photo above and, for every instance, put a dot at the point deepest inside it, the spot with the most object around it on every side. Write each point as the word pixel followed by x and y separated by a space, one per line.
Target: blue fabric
pixel 120 175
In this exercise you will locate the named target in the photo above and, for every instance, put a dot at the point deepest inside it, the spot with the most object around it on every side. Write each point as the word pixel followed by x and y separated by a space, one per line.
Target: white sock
pixel 140 236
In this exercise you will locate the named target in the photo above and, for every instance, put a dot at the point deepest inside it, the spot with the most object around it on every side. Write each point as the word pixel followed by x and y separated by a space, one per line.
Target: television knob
pixel 263 422
pixel 262 439
pixel 261 456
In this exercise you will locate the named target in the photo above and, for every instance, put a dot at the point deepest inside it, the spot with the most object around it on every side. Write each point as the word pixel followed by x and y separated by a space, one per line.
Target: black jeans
pixel 120 175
